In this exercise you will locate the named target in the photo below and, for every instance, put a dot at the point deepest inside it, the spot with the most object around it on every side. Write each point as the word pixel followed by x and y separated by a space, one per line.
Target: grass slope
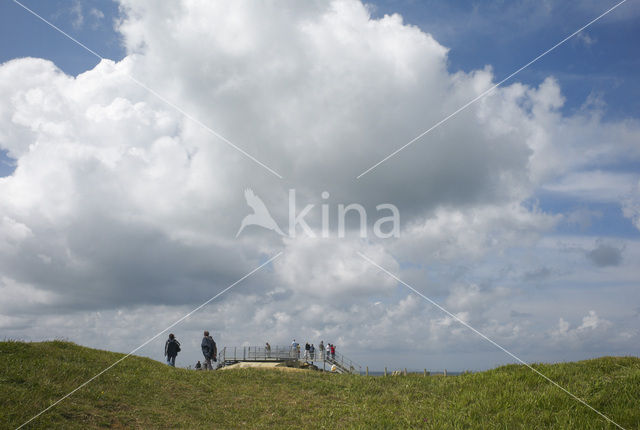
pixel 142 393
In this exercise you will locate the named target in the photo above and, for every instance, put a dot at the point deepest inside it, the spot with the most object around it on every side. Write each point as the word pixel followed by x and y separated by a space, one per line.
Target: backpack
pixel 174 346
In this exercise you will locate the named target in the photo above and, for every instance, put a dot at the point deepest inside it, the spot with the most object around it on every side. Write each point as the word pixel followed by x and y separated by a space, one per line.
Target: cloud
pixel 583 217
pixel 451 233
pixel 631 205
pixel 97 13
pixel 332 269
pixel 605 255
pixel 120 206
pixel 593 330
pixel 516 314
pixel 539 274
pixel 584 38
pixel 595 186
pixel 77 15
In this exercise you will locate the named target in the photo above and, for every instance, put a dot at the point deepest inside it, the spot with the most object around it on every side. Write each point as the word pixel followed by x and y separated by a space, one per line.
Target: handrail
pixel 230 355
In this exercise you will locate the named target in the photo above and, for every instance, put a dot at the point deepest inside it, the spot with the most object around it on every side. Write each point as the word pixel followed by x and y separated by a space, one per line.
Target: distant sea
pixel 381 373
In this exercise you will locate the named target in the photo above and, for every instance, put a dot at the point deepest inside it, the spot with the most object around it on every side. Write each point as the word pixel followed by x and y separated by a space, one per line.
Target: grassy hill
pixel 142 393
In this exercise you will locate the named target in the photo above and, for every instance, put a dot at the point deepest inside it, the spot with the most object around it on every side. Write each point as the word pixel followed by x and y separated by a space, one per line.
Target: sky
pixel 123 180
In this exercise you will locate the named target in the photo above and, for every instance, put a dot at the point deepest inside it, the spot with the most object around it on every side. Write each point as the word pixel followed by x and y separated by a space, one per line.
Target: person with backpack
pixel 209 350
pixel 171 350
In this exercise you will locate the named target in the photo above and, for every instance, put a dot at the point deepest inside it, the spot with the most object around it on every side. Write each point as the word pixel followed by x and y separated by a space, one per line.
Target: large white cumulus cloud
pixel 120 201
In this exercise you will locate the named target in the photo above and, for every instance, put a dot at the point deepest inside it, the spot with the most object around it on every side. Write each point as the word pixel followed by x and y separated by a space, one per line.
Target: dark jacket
pixel 208 346
pixel 171 348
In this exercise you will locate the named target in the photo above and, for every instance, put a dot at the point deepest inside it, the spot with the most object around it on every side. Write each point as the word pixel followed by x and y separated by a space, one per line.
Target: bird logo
pixel 260 215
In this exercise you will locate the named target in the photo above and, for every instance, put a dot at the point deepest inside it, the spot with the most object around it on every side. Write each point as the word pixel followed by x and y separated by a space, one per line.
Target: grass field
pixel 142 393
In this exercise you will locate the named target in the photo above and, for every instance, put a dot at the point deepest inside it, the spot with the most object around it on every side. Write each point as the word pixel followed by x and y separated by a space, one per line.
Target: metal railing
pixel 229 355
pixel 257 353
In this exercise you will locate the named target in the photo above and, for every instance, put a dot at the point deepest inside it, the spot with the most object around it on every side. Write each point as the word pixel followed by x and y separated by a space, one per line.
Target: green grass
pixel 142 393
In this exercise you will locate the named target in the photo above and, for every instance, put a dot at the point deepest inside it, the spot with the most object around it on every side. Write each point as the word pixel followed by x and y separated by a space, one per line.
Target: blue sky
pixel 506 35
pixel 602 61
pixel 588 249
pixel 498 34
pixel 23 35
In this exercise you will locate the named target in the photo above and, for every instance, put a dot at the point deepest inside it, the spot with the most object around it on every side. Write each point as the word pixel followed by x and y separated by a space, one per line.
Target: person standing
pixel 307 347
pixel 198 365
pixel 312 352
pixel 209 350
pixel 267 349
pixel 321 348
pixel 333 352
pixel 328 351
pixel 294 348
pixel 171 350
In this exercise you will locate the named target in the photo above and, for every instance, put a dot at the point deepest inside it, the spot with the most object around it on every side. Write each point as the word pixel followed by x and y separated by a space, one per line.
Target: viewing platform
pixel 283 354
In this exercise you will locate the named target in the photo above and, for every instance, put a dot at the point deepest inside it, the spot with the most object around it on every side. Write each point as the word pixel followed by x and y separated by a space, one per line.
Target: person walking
pixel 171 350
pixel 209 350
